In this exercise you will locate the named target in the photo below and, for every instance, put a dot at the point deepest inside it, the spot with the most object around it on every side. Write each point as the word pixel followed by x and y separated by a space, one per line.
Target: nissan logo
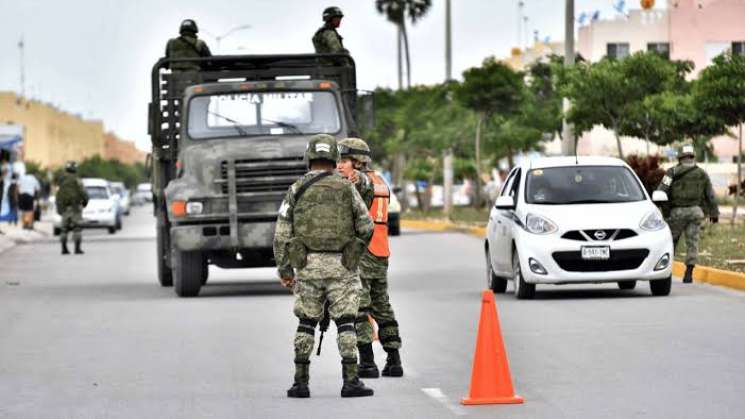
pixel 599 235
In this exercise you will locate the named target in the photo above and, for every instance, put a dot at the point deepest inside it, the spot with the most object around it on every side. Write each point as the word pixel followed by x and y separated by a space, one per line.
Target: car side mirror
pixel 659 196
pixel 505 203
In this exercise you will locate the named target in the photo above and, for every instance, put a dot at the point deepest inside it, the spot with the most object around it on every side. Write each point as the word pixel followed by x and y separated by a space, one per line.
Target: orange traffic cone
pixel 491 382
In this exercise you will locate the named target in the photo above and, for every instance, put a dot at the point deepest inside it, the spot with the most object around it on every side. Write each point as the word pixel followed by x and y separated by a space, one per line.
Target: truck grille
pixel 620 260
pixel 267 175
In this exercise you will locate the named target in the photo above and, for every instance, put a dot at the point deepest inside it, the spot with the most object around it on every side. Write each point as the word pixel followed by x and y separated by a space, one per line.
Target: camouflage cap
pixel 686 150
pixel 355 148
pixel 188 26
pixel 332 11
pixel 322 147
pixel 71 166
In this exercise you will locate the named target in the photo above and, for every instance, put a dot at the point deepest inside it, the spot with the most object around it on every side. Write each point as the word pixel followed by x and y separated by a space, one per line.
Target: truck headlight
pixel 194 208
pixel 539 225
pixel 652 222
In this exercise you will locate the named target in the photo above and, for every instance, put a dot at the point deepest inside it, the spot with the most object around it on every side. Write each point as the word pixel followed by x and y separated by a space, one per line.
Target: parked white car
pixel 101 211
pixel 566 220
pixel 121 195
pixel 143 194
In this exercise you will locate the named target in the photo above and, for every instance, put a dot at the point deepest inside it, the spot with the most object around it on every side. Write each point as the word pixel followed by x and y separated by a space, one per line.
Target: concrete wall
pixel 639 29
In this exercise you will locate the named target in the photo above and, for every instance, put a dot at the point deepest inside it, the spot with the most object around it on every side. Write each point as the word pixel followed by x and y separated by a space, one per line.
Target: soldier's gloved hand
pixel 288 282
pixel 714 220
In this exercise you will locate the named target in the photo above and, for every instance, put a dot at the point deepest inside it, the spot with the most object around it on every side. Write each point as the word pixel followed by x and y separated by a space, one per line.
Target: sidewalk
pixel 12 235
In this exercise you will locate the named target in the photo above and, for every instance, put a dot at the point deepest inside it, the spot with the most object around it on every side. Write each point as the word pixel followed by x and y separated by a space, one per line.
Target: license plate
pixel 596 252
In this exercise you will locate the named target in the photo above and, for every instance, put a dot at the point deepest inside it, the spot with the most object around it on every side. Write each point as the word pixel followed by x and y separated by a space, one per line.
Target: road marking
pixel 438 395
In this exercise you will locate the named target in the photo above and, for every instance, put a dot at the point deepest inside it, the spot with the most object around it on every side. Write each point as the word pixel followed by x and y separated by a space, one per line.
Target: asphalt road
pixel 94 336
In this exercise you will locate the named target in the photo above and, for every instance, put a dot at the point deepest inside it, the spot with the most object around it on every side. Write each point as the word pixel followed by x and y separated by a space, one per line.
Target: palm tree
pixel 396 11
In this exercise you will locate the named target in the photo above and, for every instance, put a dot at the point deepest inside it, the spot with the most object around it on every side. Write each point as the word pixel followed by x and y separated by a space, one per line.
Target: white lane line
pixel 438 395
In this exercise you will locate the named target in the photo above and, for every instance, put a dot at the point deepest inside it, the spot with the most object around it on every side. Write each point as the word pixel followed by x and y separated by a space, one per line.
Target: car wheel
pixel 495 283
pixel 119 223
pixel 523 290
pixel 627 285
pixel 188 274
pixel 205 270
pixel 56 231
pixel 165 273
pixel 660 287
pixel 112 230
pixel 394 228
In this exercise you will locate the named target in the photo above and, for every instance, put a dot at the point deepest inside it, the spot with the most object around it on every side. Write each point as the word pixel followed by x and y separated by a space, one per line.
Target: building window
pixel 662 48
pixel 738 48
pixel 618 50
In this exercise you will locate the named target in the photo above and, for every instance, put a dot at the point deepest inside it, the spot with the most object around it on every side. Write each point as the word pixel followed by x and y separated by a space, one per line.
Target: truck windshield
pixel 263 113
pixel 582 185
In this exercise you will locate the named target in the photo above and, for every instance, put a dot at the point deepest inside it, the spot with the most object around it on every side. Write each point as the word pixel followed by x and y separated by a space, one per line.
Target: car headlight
pixel 652 222
pixel 194 208
pixel 539 225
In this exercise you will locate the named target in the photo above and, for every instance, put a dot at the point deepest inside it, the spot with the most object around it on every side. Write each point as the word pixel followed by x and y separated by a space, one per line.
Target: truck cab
pixel 228 141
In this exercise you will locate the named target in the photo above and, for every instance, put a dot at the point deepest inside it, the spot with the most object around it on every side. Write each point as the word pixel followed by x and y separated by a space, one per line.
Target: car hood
pixel 594 216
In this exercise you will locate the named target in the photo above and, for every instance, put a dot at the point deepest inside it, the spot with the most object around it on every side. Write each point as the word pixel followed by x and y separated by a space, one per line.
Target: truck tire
pixel 496 284
pixel 165 274
pixel 188 273
pixel 660 287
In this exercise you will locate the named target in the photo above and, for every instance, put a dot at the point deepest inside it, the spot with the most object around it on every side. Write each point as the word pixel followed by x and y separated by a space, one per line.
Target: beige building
pixel 52 136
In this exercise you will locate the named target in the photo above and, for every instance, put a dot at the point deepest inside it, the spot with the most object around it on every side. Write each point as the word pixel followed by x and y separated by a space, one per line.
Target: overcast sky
pixel 94 57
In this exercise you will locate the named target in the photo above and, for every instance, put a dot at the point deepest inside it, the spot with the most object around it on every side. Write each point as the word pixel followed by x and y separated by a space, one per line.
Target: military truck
pixel 228 141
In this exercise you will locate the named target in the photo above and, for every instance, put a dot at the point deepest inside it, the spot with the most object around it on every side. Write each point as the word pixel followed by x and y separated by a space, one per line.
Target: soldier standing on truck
pixel 691 194
pixel 70 200
pixel 327 40
pixel 187 45
pixel 322 229
pixel 374 300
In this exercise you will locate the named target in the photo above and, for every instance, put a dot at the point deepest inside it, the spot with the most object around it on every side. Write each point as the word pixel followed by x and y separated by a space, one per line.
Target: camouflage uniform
pixel 315 235
pixel 187 45
pixel 691 199
pixel 327 40
pixel 70 200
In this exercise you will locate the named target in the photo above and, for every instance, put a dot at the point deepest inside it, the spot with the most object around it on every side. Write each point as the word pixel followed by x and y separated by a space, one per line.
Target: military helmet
pixel 331 12
pixel 321 147
pixel 355 148
pixel 71 166
pixel 686 150
pixel 188 26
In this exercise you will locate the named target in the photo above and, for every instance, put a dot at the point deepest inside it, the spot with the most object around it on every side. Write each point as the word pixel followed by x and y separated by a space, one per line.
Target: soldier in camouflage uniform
pixel 322 230
pixel 70 200
pixel 187 45
pixel 326 39
pixel 691 196
pixel 374 300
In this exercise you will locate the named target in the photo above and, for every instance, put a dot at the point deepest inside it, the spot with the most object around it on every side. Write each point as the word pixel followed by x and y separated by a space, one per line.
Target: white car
pixel 101 211
pixel 143 194
pixel 567 220
pixel 121 195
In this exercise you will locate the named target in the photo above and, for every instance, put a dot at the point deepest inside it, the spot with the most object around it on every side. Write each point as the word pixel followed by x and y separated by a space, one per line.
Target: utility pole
pixel 448 43
pixel 21 46
pixel 447 157
pixel 568 146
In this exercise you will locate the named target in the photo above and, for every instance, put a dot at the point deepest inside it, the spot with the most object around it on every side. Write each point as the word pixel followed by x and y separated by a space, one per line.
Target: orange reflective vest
pixel 379 213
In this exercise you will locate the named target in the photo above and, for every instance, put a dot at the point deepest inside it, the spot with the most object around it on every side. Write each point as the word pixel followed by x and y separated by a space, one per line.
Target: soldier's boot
pixel 393 366
pixel 78 250
pixel 65 251
pixel 300 388
pixel 688 277
pixel 353 386
pixel 367 367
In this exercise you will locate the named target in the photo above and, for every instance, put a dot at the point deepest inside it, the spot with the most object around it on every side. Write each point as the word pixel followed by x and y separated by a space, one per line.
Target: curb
pixel 713 276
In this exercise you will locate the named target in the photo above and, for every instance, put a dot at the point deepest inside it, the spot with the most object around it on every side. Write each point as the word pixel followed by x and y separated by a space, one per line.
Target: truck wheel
pixel 523 290
pixel 165 274
pixel 660 287
pixel 495 283
pixel 626 285
pixel 188 273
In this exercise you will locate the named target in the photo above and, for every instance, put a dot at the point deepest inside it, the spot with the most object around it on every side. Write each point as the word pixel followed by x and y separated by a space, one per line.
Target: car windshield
pixel 582 185
pixel 97 192
pixel 263 113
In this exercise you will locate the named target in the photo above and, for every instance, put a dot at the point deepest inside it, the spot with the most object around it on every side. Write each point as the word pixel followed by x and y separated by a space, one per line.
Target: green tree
pixel 718 94
pixel 397 11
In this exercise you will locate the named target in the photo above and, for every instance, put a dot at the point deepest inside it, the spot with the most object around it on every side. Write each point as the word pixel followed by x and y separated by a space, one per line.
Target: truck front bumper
pixel 217 236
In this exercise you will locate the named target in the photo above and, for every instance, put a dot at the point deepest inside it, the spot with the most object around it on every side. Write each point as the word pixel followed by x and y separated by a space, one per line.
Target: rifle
pixel 323 325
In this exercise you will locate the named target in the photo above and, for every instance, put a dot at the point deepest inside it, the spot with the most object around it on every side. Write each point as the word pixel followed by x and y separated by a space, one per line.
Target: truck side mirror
pixel 659 196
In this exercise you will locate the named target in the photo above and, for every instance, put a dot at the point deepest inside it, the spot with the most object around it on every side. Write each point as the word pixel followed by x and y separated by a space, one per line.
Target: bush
pixel 648 169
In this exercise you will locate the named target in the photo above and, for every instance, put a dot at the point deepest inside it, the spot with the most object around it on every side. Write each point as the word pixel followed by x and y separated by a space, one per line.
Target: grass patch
pixel 460 215
pixel 720 247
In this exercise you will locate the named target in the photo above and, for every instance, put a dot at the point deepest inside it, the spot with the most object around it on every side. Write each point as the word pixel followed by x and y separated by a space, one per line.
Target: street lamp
pixel 219 38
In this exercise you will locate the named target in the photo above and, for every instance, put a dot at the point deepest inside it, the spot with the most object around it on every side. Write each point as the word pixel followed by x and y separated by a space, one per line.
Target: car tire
pixel 496 284
pixel 661 287
pixel 205 270
pixel 56 231
pixel 523 290
pixel 165 273
pixel 112 230
pixel 394 227
pixel 188 273
pixel 119 223
pixel 626 285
